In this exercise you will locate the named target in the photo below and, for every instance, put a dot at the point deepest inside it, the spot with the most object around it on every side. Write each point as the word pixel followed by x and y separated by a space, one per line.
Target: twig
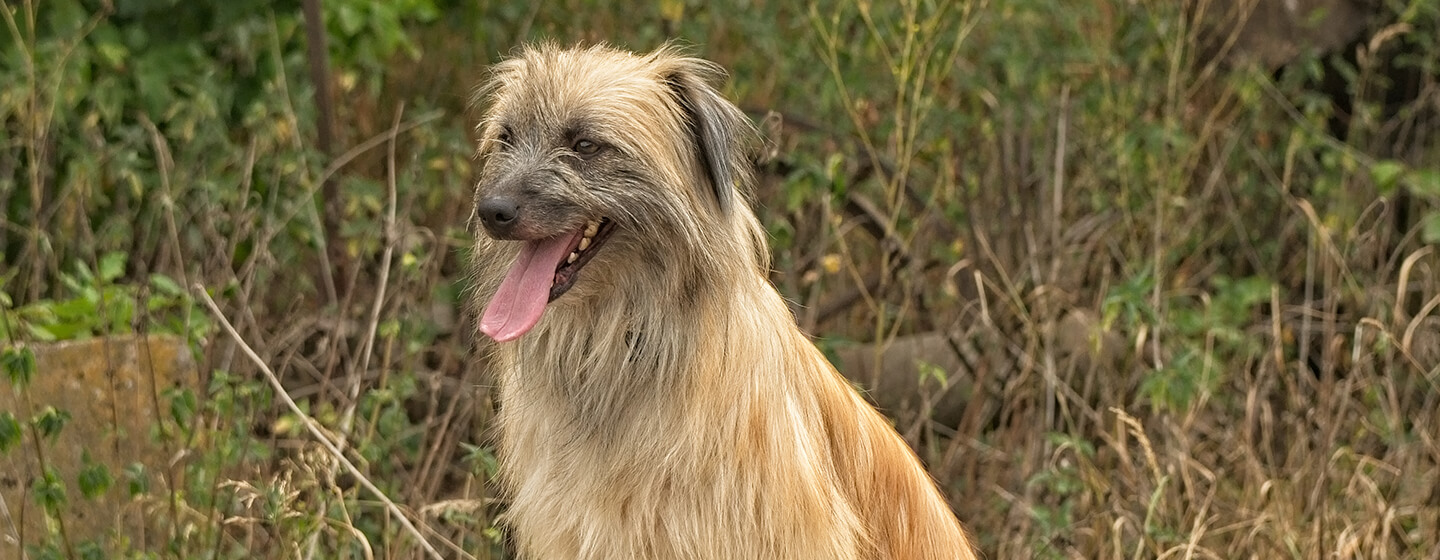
pixel 348 417
pixel 324 236
pixel 311 427
pixel 1057 215
pixel 318 54
pixel 14 532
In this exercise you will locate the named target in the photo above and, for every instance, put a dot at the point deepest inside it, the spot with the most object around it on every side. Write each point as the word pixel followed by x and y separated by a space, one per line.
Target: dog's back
pixel 658 401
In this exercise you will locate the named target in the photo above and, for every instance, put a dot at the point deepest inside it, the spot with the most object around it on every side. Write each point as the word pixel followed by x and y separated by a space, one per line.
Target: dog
pixel 657 400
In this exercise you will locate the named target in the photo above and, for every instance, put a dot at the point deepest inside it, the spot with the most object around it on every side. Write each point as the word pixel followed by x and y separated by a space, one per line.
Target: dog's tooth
pixel 592 229
pixel 573 256
pixel 584 243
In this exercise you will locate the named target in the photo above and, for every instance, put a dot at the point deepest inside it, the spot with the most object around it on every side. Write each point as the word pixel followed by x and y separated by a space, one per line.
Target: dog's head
pixel 629 167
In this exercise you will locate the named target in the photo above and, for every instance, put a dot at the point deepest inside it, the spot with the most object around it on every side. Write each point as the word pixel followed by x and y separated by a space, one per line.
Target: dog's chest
pixel 583 497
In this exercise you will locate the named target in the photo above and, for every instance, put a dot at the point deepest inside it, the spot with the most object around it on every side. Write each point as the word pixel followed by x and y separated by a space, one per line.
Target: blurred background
pixel 1137 279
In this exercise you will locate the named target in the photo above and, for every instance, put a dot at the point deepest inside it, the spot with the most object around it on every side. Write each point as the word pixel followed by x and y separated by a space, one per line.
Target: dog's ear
pixel 720 129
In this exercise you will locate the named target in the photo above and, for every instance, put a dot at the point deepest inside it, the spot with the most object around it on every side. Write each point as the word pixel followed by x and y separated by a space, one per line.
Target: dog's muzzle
pixel 499 215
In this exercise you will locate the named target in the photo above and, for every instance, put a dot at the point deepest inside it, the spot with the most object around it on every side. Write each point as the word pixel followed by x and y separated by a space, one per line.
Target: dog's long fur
pixel 666 406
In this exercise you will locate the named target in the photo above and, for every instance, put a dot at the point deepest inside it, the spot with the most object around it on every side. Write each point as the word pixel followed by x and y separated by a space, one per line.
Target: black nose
pixel 499 214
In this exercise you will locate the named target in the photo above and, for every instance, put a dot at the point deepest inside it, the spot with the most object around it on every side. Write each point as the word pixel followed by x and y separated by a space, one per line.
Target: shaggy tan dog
pixel 657 399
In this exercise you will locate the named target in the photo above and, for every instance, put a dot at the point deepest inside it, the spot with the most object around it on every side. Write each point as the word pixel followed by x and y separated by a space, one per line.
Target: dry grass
pixel 1189 325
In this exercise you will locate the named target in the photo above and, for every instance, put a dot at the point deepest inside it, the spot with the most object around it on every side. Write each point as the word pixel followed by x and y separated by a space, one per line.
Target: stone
pixel 1273 32
pixel 111 387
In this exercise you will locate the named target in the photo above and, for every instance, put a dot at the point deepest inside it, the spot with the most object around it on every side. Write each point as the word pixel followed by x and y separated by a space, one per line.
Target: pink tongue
pixel 522 296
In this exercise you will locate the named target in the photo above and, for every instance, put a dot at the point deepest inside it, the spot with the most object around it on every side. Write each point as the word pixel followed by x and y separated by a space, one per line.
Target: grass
pixel 1192 303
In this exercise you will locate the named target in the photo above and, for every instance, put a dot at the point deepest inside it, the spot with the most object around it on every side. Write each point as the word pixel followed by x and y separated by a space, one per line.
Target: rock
pixel 1273 32
pixel 110 387
pixel 897 385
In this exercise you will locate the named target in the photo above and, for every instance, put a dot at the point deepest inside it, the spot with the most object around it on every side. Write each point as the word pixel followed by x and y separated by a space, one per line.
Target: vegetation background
pixel 1186 302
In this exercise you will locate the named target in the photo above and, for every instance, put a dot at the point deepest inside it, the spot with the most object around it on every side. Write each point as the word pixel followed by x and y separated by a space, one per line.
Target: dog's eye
pixel 503 139
pixel 585 148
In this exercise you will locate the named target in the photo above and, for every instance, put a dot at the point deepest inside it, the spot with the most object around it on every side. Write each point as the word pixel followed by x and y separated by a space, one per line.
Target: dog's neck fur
pixel 601 357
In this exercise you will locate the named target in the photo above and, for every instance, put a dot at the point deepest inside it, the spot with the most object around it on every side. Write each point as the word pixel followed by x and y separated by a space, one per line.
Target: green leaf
pixel 19 365
pixel 672 10
pixel 137 481
pixel 50 421
pixel 932 371
pixel 1253 290
pixel 1430 228
pixel 40 333
pixel 9 431
pixel 182 407
pixel 1072 441
pixel 78 310
pixel 112 53
pixel 166 285
pixel 91 550
pixel 120 309
pixel 350 19
pixel 112 266
pixel 835 172
pixel 481 459
pixel 1424 181
pixel 81 280
pixel 49 491
pixel 94 478
pixel 1386 175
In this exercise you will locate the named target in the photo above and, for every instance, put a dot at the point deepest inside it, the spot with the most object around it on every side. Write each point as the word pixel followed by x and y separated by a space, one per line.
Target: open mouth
pixel 582 250
pixel 543 270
